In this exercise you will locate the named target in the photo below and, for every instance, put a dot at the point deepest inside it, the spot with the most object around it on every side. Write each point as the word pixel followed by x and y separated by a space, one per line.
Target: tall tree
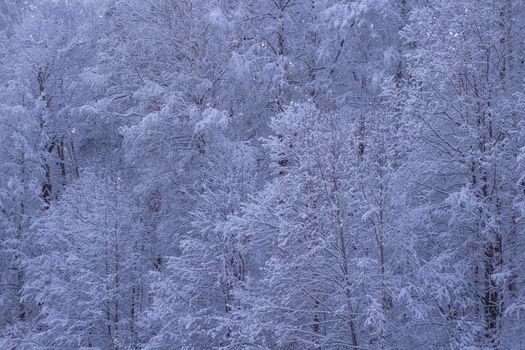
pixel 463 77
pixel 86 269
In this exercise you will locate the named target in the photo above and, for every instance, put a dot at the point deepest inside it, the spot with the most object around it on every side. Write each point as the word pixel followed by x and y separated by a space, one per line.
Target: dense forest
pixel 262 174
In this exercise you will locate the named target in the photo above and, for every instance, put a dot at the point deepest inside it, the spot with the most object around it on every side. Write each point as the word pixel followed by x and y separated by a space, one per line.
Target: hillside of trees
pixel 262 174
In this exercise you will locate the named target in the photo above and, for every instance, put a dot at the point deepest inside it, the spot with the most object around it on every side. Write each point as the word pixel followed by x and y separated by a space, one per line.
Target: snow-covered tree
pixel 195 298
pixel 463 70
pixel 86 271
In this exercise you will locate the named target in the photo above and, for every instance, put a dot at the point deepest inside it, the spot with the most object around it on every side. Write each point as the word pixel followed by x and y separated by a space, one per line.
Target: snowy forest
pixel 262 174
